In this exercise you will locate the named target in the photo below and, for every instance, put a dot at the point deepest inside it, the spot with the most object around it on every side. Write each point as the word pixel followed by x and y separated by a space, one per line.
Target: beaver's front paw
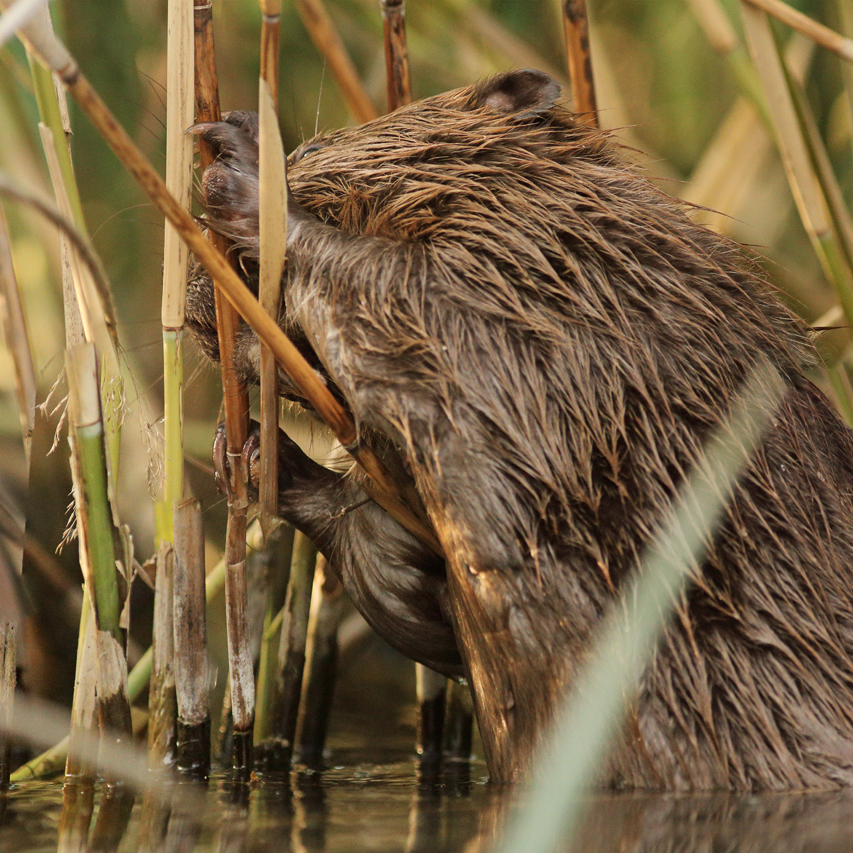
pixel 297 472
pixel 231 182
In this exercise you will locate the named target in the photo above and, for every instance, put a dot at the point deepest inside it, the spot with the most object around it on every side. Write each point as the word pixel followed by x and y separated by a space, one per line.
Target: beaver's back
pixel 550 340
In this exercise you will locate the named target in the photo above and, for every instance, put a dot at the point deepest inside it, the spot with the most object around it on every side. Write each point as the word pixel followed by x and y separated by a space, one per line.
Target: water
pixel 384 804
pixel 357 804
pixel 373 797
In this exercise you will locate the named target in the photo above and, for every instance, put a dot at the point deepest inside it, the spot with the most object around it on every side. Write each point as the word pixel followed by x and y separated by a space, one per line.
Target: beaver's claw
pixel 231 182
pixel 294 466
pixel 250 457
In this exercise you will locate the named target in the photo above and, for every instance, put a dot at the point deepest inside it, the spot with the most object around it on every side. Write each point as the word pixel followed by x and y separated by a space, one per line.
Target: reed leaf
pixel 273 247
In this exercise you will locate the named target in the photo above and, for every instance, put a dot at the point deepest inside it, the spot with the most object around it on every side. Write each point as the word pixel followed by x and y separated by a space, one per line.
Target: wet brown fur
pixel 544 340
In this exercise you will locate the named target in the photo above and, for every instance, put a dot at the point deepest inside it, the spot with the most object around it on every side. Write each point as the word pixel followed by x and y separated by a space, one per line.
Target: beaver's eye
pixel 307 152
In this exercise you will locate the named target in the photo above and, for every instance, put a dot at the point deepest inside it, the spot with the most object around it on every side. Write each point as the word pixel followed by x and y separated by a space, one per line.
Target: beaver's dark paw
pixel 231 182
pixel 296 470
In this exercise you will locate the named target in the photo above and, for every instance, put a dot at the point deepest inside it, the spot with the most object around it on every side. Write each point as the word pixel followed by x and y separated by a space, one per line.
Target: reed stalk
pixel 49 762
pixel 240 664
pixel 96 313
pixel 236 403
pixel 8 662
pixel 114 812
pixel 277 556
pixel 97 548
pixel 179 160
pixel 88 305
pixel 431 690
pixel 839 215
pixel 575 749
pixel 161 696
pixel 291 657
pixel 845 19
pixel 84 710
pixel 819 33
pixel 796 156
pixel 397 76
pixel 321 657
pixel 724 177
pixel 459 722
pixel 328 42
pixel 576 26
pixel 192 680
pixel 17 339
pixel 97 535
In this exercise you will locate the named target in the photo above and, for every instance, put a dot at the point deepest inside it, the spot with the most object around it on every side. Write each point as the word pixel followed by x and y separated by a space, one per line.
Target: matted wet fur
pixel 518 318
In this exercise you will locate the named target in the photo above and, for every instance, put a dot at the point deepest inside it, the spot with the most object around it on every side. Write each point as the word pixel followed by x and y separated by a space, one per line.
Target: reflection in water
pixel 359 805
pixel 790 823
pixel 78 803
pixel 234 818
pixel 113 818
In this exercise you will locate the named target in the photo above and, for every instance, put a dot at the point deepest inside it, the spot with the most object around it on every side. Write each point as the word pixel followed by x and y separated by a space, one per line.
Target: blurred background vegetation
pixel 657 79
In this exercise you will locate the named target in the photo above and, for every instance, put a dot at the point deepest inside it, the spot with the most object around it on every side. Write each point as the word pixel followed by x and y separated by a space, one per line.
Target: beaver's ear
pixel 525 93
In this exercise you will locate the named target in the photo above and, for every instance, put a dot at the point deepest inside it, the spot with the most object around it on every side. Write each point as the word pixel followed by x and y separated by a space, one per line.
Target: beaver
pixel 518 319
